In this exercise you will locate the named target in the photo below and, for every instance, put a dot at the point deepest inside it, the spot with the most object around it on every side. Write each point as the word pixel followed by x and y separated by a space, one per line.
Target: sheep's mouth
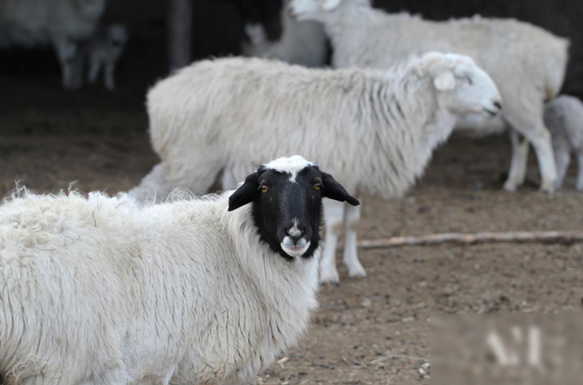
pixel 295 249
pixel 490 112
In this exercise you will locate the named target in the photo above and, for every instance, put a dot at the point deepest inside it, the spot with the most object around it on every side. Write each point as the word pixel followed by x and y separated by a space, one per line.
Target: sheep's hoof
pixel 357 273
pixel 358 277
pixel 510 186
pixel 547 187
pixel 330 277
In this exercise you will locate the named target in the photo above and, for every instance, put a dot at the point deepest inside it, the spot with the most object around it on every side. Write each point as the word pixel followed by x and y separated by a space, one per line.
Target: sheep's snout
pixel 294 238
pixel 495 109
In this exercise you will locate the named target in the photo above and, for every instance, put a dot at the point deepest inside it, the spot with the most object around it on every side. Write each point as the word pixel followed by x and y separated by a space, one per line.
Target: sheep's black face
pixel 287 206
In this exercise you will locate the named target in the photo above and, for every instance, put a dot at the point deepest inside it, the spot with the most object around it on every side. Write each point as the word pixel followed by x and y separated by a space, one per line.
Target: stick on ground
pixel 563 237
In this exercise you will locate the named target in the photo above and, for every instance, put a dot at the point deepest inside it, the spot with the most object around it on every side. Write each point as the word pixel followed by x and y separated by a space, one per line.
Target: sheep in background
pixel 98 291
pixel 301 43
pixel 564 118
pixel 104 50
pixel 527 63
pixel 230 114
pixel 62 23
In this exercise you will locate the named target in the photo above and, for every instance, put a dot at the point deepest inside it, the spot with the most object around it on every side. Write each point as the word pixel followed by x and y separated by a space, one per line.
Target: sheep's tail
pixel 556 64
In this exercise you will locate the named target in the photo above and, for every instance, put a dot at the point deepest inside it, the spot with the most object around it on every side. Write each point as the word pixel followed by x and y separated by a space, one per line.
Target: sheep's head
pixel 317 9
pixel 462 86
pixel 117 35
pixel 287 204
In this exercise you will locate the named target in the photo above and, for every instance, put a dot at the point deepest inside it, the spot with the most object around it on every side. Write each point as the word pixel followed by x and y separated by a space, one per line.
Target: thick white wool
pixel 98 290
pixel 373 130
pixel 527 63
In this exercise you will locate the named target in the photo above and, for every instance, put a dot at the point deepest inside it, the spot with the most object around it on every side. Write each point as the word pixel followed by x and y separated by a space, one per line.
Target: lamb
pixel 374 129
pixel 564 118
pixel 301 43
pixel 527 64
pixel 97 290
pixel 104 49
pixel 62 23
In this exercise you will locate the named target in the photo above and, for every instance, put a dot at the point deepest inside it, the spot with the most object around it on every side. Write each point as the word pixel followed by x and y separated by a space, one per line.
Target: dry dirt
pixel 373 331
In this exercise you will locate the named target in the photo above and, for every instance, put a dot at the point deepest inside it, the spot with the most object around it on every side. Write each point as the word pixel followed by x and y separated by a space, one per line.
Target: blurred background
pixel 30 79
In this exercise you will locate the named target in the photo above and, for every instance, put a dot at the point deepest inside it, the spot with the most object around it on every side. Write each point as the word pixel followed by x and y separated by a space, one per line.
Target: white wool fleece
pixel 98 291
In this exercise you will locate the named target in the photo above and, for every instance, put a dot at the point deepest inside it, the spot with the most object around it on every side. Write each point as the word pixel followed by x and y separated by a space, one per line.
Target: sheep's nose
pixel 296 231
pixel 498 104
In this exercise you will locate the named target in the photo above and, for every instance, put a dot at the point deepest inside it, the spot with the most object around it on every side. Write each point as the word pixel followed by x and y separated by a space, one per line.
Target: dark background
pixel 217 23
pixel 34 102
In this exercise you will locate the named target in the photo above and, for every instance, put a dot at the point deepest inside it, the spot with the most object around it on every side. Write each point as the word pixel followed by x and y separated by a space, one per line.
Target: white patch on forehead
pixel 292 165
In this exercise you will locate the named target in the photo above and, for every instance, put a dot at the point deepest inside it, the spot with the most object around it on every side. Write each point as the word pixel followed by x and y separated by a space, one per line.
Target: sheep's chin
pixel 292 250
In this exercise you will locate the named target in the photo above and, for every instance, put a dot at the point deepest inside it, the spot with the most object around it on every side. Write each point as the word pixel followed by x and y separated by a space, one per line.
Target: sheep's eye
pixel 469 79
pixel 264 189
pixel 318 186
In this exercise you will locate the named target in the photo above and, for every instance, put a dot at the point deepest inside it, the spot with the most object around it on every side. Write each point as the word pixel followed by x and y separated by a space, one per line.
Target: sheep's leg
pixel 351 219
pixel 518 162
pixel 155 185
pixel 541 141
pixel 109 82
pixel 529 122
pixel 334 216
pixel 67 53
pixel 94 70
pixel 580 175
pixel 562 158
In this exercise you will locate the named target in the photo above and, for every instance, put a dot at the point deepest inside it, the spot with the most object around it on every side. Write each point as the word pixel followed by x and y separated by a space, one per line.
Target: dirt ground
pixel 373 331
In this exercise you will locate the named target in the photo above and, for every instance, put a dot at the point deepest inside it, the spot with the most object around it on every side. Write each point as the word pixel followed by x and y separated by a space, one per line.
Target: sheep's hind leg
pixel 334 216
pixel 154 186
pixel 351 219
pixel 529 122
pixel 518 162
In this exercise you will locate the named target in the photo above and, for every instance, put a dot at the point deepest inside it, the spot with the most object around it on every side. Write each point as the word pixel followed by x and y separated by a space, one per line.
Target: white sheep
pixel 104 50
pixel 99 291
pixel 301 43
pixel 527 64
pixel 61 23
pixel 375 129
pixel 564 118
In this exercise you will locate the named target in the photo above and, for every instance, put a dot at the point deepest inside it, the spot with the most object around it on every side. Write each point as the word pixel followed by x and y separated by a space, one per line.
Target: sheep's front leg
pixel 518 162
pixel 67 54
pixel 351 219
pixel 334 217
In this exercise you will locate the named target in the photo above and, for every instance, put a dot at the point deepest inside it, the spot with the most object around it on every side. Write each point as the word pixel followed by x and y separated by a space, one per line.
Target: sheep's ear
pixel 246 193
pixel 334 190
pixel 445 81
pixel 328 5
